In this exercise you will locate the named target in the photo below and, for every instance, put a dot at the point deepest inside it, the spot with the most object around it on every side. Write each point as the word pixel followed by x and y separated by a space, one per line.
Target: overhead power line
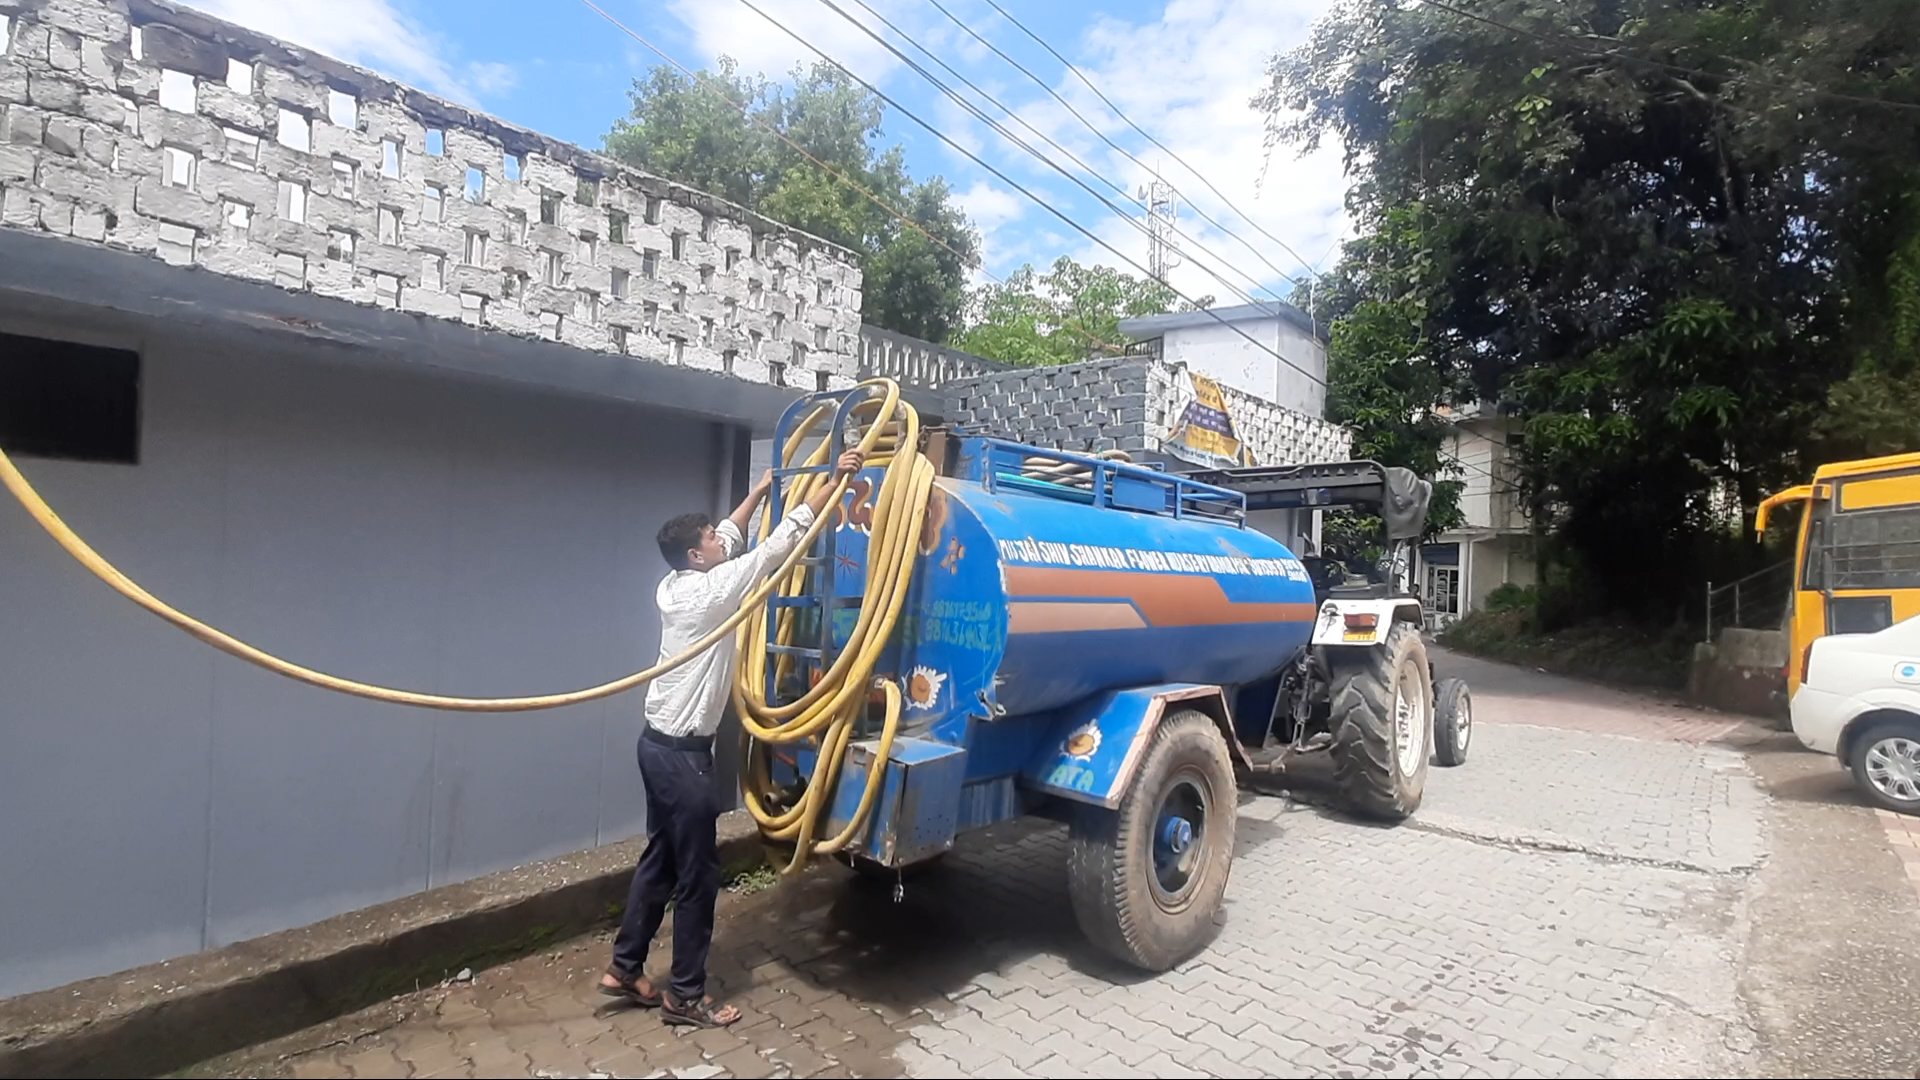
pixel 1116 147
pixel 902 217
pixel 1002 130
pixel 1077 73
pixel 836 174
pixel 1024 190
pixel 1043 136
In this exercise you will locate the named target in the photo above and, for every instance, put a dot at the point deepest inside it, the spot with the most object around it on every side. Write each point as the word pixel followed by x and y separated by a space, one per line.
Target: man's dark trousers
pixel 681 862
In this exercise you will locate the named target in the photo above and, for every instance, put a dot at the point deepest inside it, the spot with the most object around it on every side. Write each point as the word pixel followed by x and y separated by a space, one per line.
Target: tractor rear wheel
pixel 1382 719
pixel 1146 879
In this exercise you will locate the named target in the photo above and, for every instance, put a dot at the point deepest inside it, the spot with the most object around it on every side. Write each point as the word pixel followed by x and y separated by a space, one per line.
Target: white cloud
pixel 990 207
pixel 1211 58
pixel 375 34
pixel 491 78
pixel 730 28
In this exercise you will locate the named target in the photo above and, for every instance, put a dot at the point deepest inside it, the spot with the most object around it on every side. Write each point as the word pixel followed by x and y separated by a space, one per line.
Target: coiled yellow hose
pixel 826 714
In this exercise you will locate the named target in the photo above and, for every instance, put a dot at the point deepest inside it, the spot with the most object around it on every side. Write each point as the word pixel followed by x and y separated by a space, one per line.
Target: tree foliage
pixel 1649 227
pixel 1070 313
pixel 685 129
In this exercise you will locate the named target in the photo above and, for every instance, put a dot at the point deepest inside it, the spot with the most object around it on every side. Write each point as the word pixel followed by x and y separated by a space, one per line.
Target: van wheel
pixel 1886 764
pixel 1146 879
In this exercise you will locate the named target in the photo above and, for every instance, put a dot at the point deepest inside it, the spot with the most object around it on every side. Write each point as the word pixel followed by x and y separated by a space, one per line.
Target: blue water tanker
pixel 1112 646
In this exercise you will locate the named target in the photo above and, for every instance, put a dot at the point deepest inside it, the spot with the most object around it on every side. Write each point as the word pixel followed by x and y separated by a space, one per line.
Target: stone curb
pixel 167 1016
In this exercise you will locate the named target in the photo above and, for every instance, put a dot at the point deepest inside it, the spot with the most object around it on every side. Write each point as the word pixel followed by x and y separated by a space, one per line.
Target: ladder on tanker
pixel 818 600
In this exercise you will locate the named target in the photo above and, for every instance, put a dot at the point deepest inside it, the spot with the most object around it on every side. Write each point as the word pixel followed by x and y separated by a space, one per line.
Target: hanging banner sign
pixel 1204 433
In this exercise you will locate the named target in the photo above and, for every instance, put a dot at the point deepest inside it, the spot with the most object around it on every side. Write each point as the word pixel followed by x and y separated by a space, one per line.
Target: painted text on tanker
pixel 1033 552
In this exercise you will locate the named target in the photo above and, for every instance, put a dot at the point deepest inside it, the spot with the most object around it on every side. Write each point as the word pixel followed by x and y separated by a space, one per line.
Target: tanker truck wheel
pixel 1146 879
pixel 1382 719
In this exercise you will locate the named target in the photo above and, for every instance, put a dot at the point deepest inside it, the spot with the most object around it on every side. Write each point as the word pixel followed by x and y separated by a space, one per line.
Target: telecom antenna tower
pixel 1163 208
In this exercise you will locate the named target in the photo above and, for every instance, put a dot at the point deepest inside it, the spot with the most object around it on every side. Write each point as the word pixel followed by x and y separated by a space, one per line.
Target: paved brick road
pixel 1570 903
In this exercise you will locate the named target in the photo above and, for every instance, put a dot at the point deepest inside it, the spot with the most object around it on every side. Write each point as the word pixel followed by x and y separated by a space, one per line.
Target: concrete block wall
pixel 1129 403
pixel 1097 405
pixel 142 125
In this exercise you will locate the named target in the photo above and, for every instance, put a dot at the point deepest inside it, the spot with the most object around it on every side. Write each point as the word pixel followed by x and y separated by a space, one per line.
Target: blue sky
pixel 1181 69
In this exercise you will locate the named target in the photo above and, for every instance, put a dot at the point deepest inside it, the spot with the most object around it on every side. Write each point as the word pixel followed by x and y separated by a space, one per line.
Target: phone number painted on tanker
pixel 1055 553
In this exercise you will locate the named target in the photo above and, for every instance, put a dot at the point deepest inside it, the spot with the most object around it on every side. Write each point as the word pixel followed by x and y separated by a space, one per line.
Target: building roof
pixel 1151 326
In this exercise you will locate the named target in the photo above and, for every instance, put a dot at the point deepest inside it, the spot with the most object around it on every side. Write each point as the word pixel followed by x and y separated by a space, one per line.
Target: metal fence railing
pixel 1755 602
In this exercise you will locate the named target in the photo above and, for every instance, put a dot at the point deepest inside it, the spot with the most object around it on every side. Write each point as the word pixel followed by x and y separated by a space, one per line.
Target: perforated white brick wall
pixel 284 152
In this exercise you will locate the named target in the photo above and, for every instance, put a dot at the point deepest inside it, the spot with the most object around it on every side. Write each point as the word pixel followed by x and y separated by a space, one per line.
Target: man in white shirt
pixel 709 580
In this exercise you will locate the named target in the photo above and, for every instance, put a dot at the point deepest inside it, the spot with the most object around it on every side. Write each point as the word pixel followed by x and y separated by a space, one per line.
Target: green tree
pixel 680 128
pixel 1381 384
pixel 1639 224
pixel 1068 314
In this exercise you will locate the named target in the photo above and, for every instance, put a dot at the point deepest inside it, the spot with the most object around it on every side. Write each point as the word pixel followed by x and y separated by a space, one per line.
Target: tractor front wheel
pixel 1452 722
pixel 1382 718
pixel 1147 878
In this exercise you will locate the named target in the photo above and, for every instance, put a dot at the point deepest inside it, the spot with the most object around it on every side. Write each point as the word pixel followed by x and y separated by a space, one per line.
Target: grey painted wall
pixel 160 798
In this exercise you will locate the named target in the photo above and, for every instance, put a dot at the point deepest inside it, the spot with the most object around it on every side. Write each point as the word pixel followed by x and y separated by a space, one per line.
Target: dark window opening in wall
pixel 62 400
pixel 653 210
pixel 820 381
pixel 776 373
pixel 616 227
pixel 550 208
pixel 586 192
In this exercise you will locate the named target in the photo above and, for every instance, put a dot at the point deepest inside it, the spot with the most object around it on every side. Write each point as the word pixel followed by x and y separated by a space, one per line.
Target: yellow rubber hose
pixel 827 714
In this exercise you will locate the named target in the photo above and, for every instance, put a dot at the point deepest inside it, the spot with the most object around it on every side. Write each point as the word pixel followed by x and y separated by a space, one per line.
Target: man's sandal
pixel 698 1014
pixel 628 990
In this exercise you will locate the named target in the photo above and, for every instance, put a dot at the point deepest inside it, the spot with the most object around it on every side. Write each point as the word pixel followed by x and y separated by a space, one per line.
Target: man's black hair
pixel 681 535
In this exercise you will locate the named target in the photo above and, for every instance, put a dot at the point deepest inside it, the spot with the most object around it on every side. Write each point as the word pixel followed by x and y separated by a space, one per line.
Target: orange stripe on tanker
pixel 1164 600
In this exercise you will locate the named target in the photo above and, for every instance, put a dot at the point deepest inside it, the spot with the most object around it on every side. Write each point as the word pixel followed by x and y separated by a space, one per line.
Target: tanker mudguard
pixel 1093 747
pixel 1331 627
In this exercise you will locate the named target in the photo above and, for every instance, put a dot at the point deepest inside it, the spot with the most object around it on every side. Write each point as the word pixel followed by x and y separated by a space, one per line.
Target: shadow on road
pixel 1000 901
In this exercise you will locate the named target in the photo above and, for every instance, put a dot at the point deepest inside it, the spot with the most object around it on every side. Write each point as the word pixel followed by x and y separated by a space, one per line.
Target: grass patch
pixel 1625 654
pixel 752 879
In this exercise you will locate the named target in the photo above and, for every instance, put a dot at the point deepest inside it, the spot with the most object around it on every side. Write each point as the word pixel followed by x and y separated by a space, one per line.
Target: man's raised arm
pixel 737 577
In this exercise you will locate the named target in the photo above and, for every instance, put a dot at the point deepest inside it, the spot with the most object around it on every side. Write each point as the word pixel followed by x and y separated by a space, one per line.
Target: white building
pixel 1493 545
pixel 1231 346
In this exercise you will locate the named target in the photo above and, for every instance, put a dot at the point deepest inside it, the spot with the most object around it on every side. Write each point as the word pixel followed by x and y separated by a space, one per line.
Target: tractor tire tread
pixel 1363 750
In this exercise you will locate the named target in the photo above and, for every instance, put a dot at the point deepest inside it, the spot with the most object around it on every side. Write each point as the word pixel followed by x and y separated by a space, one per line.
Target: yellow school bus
pixel 1857 562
